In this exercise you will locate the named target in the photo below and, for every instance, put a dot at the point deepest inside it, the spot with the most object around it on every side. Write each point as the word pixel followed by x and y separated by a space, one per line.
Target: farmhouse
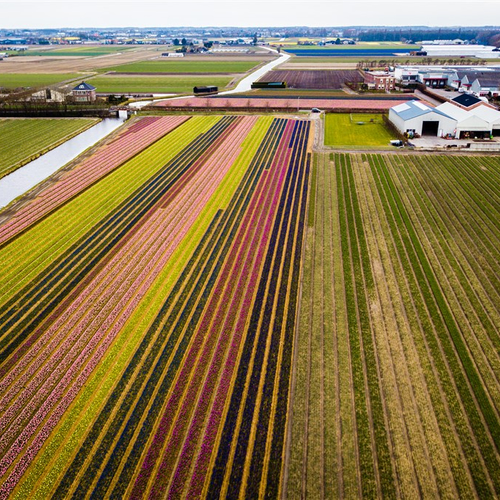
pixel 415 118
pixel 84 92
pixel 380 80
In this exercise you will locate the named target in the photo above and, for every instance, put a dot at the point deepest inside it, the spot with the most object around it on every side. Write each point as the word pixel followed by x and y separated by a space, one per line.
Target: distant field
pixel 22 140
pixel 155 84
pixel 15 80
pixel 346 130
pixel 186 67
pixel 319 79
pixel 360 46
pixel 79 51
pixel 344 51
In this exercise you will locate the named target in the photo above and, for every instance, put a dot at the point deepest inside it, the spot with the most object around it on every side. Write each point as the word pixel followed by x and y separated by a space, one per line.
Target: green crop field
pixel 398 358
pixel 22 140
pixel 187 66
pixel 360 130
pixel 156 84
pixel 82 51
pixel 18 80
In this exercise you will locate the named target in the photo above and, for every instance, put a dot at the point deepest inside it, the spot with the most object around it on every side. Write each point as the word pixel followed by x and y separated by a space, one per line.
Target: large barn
pixel 414 117
pixel 479 122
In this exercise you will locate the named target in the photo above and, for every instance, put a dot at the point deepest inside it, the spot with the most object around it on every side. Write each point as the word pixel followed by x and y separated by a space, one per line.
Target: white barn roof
pixel 479 118
pixel 414 109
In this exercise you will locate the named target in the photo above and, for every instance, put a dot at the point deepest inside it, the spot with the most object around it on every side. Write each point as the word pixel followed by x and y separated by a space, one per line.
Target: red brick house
pixel 84 92
pixel 380 80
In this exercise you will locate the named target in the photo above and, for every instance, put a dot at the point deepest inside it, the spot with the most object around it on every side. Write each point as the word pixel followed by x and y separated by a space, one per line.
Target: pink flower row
pixel 285 104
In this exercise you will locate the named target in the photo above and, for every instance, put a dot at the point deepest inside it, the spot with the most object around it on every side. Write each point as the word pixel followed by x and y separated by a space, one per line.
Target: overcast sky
pixel 76 13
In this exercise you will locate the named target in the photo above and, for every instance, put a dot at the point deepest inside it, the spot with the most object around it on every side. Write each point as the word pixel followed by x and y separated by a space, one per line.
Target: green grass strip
pixel 364 286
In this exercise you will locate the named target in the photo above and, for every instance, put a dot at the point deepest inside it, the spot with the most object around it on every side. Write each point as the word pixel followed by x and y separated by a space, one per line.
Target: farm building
pixel 49 95
pixel 485 81
pixel 415 118
pixel 380 80
pixel 456 50
pixel 487 85
pixel 480 121
pixel 84 92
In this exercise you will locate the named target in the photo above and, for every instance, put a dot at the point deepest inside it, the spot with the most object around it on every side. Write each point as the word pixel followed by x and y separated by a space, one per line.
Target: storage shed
pixel 414 117
pixel 479 122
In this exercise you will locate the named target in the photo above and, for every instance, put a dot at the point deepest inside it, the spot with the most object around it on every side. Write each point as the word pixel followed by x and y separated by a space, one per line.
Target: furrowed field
pixel 22 140
pixel 147 310
pixel 397 388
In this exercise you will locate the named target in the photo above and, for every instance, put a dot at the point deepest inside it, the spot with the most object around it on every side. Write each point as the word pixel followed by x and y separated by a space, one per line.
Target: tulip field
pixel 148 298
pixel 397 374
pixel 202 307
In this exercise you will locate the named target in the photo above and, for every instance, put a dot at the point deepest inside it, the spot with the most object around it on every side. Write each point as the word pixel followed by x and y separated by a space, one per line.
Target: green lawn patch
pixel 350 129
pixel 84 51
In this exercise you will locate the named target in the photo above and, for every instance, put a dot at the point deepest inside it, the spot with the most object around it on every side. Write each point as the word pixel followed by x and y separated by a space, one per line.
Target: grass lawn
pixel 155 84
pixel 343 129
pixel 176 66
pixel 15 80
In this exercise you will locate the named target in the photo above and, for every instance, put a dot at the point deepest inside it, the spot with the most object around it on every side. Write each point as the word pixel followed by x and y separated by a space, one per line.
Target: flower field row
pixel 397 386
pixel 137 336
pixel 285 104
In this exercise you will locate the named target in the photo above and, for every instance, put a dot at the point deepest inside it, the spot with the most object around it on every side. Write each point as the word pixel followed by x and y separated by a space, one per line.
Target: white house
pixel 414 117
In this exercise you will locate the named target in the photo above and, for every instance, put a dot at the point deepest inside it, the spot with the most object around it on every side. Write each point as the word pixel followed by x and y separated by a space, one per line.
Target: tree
pixel 254 41
pixel 176 41
pixel 208 45
pixel 184 41
pixel 337 41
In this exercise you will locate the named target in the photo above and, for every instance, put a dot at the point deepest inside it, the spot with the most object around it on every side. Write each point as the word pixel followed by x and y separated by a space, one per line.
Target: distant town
pixel 239 35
